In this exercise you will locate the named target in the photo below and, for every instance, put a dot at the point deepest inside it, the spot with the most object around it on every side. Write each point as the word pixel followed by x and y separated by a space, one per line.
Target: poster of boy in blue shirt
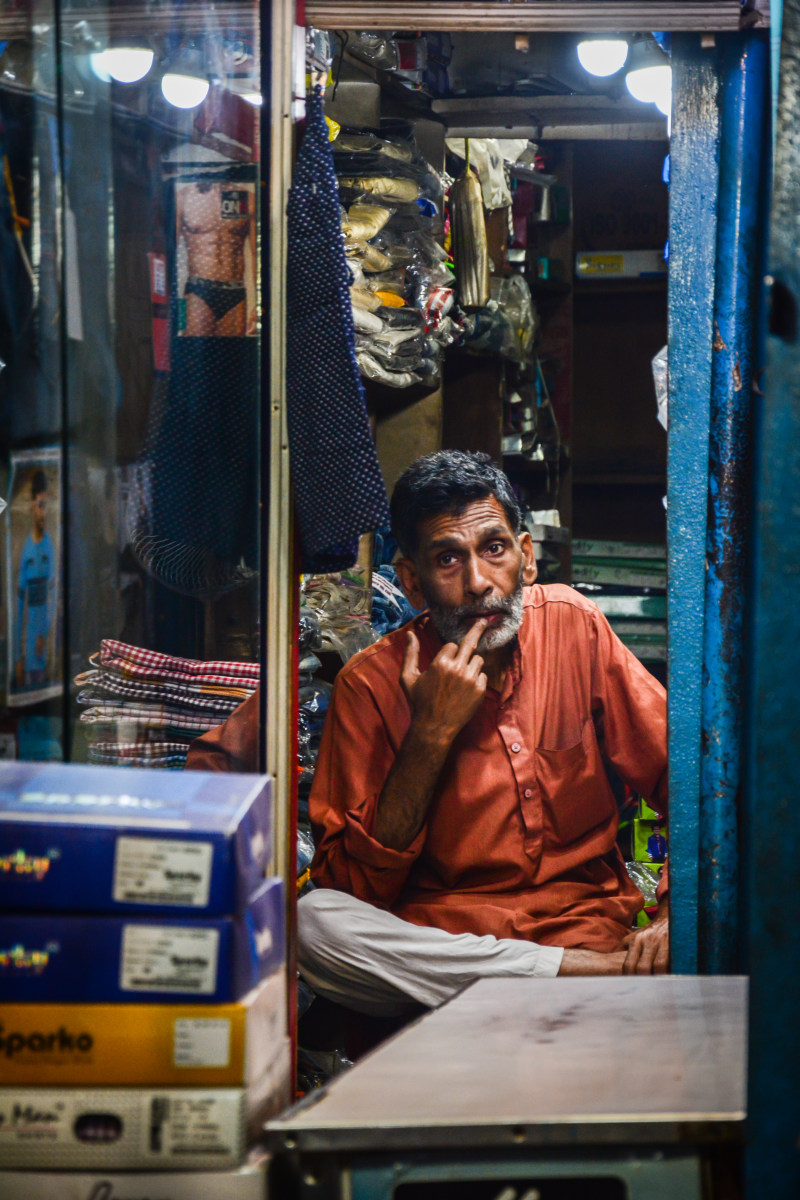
pixel 32 584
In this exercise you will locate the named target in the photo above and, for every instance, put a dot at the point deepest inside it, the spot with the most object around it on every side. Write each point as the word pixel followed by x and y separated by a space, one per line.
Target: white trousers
pixel 373 962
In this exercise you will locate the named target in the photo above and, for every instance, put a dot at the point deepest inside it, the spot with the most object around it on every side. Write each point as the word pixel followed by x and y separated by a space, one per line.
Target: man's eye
pixel 446 560
pixel 496 548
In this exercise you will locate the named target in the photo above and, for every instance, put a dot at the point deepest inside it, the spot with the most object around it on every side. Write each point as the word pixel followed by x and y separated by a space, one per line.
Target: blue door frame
pixel 734 536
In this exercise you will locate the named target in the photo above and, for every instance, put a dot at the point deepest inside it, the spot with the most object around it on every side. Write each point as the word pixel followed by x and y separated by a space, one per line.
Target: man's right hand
pixel 442 700
pixel 449 693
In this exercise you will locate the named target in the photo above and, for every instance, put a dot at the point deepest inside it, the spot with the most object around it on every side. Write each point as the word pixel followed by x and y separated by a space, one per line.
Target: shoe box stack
pixel 142 982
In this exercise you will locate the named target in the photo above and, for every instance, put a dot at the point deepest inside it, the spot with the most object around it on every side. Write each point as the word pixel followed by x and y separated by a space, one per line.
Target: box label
pixel 164 958
pixel 201 1042
pixel 161 871
pixel 195 1124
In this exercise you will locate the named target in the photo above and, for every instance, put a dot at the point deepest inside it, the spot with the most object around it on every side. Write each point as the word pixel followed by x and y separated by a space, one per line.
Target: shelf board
pixel 602 287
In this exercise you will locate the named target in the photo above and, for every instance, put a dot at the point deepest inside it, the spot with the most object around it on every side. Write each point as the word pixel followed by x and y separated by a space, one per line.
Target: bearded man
pixel 465 824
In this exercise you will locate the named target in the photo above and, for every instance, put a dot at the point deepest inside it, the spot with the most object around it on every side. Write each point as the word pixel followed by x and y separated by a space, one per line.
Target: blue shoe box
pixel 115 840
pixel 106 959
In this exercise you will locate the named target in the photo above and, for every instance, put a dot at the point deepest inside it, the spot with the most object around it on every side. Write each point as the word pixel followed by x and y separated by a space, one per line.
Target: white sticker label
pixel 195 1124
pixel 162 871
pixel 165 958
pixel 201 1042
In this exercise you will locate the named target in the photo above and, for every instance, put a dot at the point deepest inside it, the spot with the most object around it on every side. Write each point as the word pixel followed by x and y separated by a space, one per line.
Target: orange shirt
pixel 520 837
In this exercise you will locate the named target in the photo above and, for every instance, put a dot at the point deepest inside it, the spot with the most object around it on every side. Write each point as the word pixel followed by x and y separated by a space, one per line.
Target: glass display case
pixel 131 441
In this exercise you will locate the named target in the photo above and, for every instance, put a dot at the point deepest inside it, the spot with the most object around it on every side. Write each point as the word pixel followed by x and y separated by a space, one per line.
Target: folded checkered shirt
pixel 134 661
pixel 100 684
pixel 146 716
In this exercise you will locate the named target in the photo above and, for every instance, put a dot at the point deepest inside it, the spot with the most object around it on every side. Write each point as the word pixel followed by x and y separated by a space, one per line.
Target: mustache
pixel 488 608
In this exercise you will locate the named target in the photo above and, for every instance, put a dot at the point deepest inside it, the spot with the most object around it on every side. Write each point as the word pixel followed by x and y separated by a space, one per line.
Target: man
pixel 217 223
pixel 35 593
pixel 464 820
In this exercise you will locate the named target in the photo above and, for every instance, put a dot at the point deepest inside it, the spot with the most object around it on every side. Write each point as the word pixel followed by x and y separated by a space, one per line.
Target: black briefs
pixel 220 296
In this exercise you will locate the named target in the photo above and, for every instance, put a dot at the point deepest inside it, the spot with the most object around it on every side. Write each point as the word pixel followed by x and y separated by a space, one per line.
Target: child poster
pixel 33 598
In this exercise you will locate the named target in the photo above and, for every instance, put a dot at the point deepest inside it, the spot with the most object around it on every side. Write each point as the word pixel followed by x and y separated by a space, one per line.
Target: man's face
pixel 39 505
pixel 467 566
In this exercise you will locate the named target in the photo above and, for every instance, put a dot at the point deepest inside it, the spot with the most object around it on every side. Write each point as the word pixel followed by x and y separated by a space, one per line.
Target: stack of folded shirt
pixel 401 289
pixel 143 708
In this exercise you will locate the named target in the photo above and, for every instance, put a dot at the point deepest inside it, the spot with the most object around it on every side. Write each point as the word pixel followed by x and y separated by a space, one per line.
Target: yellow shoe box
pixel 188 1045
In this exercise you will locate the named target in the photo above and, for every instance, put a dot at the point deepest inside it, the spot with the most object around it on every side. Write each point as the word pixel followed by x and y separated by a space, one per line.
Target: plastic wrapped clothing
pixel 339 490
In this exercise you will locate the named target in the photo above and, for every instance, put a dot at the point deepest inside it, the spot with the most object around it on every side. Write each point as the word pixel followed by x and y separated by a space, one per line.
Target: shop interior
pixel 505 214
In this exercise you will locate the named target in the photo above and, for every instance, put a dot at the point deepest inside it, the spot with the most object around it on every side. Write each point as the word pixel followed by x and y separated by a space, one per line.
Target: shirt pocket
pixel 576 796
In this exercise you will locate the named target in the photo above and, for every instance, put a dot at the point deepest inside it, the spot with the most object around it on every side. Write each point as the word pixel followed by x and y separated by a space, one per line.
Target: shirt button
pixel 515 746
pixel 528 793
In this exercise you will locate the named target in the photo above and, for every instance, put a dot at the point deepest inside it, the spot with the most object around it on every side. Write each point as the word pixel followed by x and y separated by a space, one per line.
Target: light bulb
pixel 602 56
pixel 649 83
pixel 252 97
pixel 184 91
pixel 126 64
pixel 663 101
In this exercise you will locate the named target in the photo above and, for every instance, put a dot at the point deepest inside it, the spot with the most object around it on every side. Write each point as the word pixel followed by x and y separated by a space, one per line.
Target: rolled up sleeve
pixel 355 757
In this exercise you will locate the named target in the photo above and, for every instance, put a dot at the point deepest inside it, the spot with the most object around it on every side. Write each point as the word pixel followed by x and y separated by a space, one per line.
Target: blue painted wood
pixel 694 160
pixel 743 160
pixel 772 809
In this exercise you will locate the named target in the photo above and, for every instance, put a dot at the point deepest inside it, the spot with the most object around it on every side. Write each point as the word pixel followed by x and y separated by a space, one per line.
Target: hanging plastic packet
pixel 660 366
pixel 376 48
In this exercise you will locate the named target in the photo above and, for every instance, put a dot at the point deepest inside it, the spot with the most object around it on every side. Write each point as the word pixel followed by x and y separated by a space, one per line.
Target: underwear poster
pixel 216 256
pixel 33 577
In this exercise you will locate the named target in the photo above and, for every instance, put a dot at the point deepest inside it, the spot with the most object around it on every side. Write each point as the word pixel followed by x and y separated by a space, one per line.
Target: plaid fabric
pixel 172 762
pixel 146 716
pixel 145 748
pixel 134 661
pixel 99 684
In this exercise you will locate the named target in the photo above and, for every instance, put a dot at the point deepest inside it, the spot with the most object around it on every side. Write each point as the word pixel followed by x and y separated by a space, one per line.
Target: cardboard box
pixel 107 959
pixel 247 1183
pixel 131 1128
pixel 108 839
pixel 190 1045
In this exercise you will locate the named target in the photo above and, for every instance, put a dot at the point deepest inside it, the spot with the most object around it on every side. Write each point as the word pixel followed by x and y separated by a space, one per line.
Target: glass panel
pixel 142 177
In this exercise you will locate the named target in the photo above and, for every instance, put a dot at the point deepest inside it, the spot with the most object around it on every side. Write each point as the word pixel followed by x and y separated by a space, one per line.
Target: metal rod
pixel 693 232
pixel 745 80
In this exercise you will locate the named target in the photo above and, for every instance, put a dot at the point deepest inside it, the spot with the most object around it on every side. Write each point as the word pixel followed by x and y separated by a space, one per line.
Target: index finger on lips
pixel 470 643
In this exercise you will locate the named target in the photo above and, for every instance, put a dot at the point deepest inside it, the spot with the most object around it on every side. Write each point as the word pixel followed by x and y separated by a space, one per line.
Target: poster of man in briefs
pixel 33 555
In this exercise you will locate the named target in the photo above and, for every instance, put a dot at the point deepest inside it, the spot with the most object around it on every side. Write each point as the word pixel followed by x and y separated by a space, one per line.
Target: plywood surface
pixel 554 1052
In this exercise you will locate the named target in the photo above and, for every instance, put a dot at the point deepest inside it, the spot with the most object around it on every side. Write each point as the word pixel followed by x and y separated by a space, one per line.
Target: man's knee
pixel 319 919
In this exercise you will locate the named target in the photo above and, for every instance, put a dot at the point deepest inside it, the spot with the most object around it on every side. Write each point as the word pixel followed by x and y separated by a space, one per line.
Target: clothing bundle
pixel 142 708
pixel 402 287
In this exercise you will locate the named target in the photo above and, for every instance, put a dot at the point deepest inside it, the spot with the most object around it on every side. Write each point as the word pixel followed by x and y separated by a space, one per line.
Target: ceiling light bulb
pixel 663 101
pixel 602 56
pixel 649 83
pixel 252 97
pixel 184 91
pixel 126 64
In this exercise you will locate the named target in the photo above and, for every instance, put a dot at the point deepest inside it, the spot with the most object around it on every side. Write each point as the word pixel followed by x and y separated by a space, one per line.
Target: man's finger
pixel 410 671
pixel 632 957
pixel 645 963
pixel 470 642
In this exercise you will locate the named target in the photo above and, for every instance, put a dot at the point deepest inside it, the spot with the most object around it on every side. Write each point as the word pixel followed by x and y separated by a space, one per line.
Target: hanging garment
pixel 339 490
